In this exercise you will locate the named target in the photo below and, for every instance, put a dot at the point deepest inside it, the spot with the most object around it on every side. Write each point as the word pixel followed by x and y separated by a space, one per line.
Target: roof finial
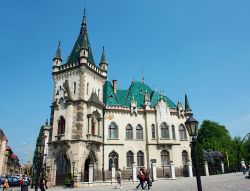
pixel 84 24
pixel 142 75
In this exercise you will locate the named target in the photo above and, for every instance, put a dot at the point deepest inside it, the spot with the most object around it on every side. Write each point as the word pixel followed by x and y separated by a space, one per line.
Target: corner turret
pixel 188 109
pixel 103 64
pixel 57 60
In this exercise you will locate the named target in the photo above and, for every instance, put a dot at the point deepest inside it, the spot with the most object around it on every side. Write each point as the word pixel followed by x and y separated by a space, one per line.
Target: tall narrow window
pixel 98 92
pixel 182 132
pixel 113 131
pixel 129 132
pixel 153 131
pixel 93 124
pixel 87 88
pixel 165 159
pixel 130 158
pixel 61 126
pixel 113 159
pixel 173 133
pixel 140 158
pixel 164 131
pixel 184 157
pixel 139 132
pixel 74 87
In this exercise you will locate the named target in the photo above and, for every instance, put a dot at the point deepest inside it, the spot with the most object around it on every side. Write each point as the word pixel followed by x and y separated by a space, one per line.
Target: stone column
pixel 190 169
pixel 154 171
pixel 172 169
pixel 134 171
pixel 91 173
pixel 206 168
pixel 222 167
pixel 113 172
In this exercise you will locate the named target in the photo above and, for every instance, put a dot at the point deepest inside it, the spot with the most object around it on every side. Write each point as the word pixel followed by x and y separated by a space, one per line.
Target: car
pixel 12 180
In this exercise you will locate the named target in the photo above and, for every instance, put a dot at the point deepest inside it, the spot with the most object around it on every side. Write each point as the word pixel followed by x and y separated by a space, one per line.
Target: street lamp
pixel 73 164
pixel 40 153
pixel 192 128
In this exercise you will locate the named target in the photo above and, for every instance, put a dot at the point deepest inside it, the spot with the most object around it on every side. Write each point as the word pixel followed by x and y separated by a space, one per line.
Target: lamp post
pixel 73 164
pixel 192 128
pixel 40 153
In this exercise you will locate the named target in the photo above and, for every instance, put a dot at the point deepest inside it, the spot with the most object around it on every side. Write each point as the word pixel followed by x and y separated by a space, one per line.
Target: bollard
pixel 172 169
pixel 190 169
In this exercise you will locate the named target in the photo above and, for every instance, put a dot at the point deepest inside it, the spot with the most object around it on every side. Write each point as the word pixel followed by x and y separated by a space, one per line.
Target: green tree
pixel 245 150
pixel 38 141
pixel 214 136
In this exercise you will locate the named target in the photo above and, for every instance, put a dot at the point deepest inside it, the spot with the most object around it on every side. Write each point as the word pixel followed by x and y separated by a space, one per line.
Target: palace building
pixel 95 123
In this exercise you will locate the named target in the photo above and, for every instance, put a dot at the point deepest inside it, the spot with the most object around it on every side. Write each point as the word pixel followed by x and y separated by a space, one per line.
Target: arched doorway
pixel 86 170
pixel 62 168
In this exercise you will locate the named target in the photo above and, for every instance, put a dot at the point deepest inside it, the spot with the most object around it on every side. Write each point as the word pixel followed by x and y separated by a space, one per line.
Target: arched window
pixel 113 159
pixel 153 131
pixel 140 158
pixel 184 157
pixel 164 131
pixel 61 126
pixel 130 158
pixel 182 132
pixel 113 131
pixel 129 132
pixel 173 133
pixel 139 132
pixel 165 159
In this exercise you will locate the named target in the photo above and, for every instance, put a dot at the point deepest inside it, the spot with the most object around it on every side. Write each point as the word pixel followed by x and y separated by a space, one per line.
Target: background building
pixel 94 122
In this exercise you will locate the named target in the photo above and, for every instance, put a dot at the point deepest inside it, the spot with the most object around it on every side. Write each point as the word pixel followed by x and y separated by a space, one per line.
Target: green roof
pixel 75 53
pixel 137 91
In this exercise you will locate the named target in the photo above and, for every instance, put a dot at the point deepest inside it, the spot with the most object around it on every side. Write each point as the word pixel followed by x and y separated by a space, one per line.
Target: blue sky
pixel 196 47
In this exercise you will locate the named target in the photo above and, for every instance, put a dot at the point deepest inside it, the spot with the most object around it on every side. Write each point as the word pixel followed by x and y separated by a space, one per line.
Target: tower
pixel 76 133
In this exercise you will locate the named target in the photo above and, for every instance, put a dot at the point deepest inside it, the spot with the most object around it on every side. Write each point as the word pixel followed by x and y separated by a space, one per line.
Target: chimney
pixel 115 85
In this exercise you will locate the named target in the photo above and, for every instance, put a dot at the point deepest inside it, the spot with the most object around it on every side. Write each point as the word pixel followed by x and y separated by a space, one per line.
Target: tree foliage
pixel 214 138
pixel 38 141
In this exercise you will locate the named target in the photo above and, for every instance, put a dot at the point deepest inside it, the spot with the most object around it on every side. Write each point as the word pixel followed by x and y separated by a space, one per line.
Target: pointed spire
pixel 58 53
pixel 103 59
pixel 46 123
pixel 187 106
pixel 84 23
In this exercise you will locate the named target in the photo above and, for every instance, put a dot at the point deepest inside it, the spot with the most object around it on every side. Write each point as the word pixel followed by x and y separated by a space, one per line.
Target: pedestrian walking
pixel 141 177
pixel 147 180
pixel 119 179
pixel 6 184
pixel 42 184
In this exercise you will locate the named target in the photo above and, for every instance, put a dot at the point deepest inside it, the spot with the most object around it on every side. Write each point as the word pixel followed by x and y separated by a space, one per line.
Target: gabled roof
pixel 94 99
pixel 136 91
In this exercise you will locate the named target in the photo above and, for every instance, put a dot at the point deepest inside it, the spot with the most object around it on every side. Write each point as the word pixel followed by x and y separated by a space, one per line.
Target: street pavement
pixel 225 182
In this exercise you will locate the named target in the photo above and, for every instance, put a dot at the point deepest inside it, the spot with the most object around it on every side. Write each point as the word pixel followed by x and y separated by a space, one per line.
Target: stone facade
pixel 94 123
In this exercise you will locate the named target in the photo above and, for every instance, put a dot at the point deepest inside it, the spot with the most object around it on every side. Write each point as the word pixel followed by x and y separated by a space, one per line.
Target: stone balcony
pixel 94 138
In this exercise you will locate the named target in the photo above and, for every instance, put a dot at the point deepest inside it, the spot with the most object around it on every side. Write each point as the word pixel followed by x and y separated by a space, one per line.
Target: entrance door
pixel 62 168
pixel 86 170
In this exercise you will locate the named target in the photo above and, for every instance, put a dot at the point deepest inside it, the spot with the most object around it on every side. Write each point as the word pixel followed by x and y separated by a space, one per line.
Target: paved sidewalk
pixel 225 182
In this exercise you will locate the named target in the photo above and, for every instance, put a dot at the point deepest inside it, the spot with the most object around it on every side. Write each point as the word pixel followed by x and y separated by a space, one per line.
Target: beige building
pixel 95 122
pixel 3 146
